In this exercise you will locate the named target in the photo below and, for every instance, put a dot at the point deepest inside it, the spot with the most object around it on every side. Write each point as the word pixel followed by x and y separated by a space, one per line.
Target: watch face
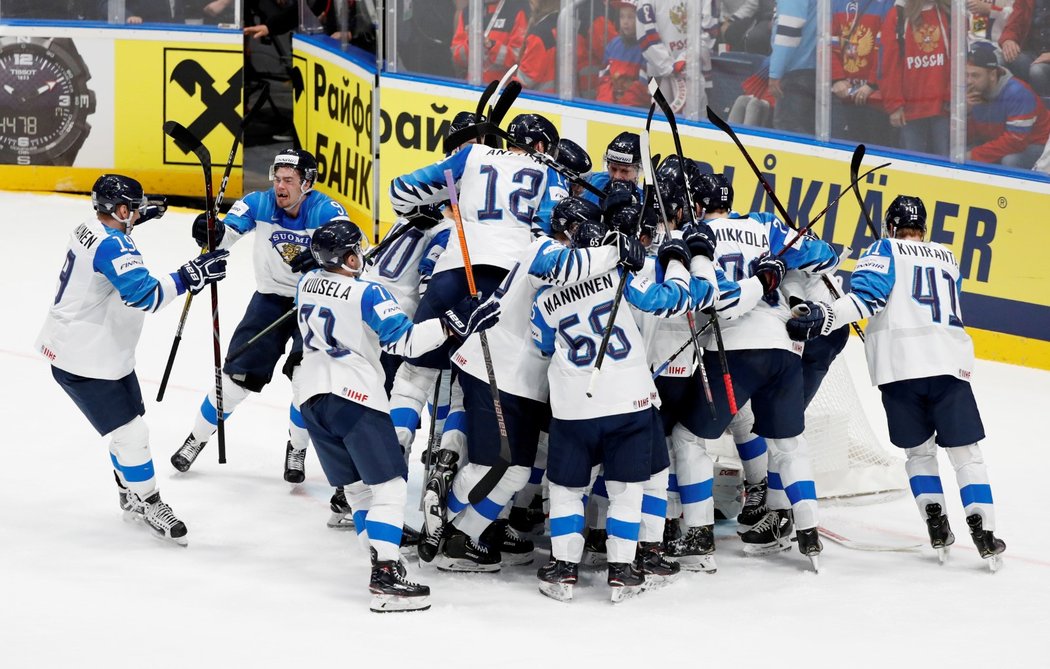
pixel 44 103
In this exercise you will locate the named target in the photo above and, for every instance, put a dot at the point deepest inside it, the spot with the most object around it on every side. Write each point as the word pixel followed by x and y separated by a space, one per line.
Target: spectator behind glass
pixel 793 66
pixel 597 21
pixel 916 73
pixel 360 29
pixel 1026 43
pixel 987 19
pixel 504 25
pixel 621 81
pixel 1007 121
pixel 856 111
pixel 538 68
pixel 269 18
pixel 747 25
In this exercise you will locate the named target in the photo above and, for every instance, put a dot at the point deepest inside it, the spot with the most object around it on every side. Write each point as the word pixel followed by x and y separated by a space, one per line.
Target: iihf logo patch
pixel 289 244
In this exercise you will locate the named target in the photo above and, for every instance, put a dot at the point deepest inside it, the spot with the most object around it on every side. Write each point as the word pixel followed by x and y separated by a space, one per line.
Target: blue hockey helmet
pixel 906 211
pixel 112 190
pixel 713 191
pixel 573 156
pixel 334 240
pixel 572 212
pixel 528 129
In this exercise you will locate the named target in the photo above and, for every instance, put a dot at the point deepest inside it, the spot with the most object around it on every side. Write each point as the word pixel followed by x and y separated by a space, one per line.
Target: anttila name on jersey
pixel 748 237
pixel 84 236
pixel 577 291
pixel 327 287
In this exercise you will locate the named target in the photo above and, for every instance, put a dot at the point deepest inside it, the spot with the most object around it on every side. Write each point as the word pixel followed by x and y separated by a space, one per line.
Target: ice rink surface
pixel 264 582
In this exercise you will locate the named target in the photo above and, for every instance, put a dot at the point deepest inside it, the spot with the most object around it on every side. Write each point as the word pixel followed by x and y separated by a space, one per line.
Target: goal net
pixel 848 459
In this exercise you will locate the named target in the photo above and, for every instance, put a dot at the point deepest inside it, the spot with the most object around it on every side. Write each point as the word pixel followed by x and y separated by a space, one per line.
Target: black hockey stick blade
pixel 503 105
pixel 479 112
pixel 187 141
pixel 854 169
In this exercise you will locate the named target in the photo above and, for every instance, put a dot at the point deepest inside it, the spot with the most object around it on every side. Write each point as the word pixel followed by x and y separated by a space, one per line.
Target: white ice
pixel 264 582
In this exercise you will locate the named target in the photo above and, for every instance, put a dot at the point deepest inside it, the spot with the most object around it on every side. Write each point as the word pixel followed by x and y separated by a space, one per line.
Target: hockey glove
pixel 304 262
pixel 630 250
pixel 810 320
pixel 294 359
pixel 200 230
pixel 470 316
pixel 770 271
pixel 155 208
pixel 673 249
pixel 202 270
pixel 701 239
pixel 425 216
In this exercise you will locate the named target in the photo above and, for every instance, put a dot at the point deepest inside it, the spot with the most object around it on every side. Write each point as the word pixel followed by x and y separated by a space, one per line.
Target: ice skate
pixel 294 464
pixel 754 506
pixel 392 592
pixel 460 553
pixel 342 517
pixel 625 581
pixel 594 548
pixel 435 504
pixel 155 515
pixel 770 535
pixel 515 550
pixel 557 579
pixel 941 537
pixel 409 541
pixel 652 563
pixel 183 458
pixel 525 519
pixel 694 551
pixel 988 545
pixel 672 530
pixel 810 546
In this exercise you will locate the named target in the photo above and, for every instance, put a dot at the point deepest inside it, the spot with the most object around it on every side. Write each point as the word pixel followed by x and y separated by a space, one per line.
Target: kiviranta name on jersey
pixel 577 291
pixel 327 287
pixel 925 251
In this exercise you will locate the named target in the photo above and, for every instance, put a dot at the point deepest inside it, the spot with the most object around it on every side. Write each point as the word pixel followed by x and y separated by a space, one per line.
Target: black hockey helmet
pixel 528 129
pixel 334 240
pixel 588 236
pixel 713 191
pixel 572 212
pixel 112 190
pixel 619 193
pixel 624 219
pixel 300 160
pixel 670 168
pixel 461 120
pixel 573 156
pixel 625 149
pixel 906 211
pixel 672 195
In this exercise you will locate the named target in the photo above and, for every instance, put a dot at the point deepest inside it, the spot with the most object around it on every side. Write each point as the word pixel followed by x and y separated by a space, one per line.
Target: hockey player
pixel 344 320
pixel 753 255
pixel 93 326
pixel 615 428
pixel 574 157
pixel 283 219
pixel 623 162
pixel 478 538
pixel 921 358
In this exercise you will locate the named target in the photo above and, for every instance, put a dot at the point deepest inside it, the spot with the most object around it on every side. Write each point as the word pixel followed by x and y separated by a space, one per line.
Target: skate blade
pixel 341 521
pixel 398 604
pixel 520 560
pixel 165 539
pixel 704 563
pixel 942 555
pixel 593 559
pixel 995 562
pixel 559 591
pixel 622 593
pixel 462 566
pixel 814 561
pixel 758 550
pixel 657 581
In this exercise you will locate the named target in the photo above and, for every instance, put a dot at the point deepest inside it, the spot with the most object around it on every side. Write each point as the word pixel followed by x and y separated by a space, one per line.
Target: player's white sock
pixel 534 486
pixel 790 458
pixel 476 517
pixel 974 488
pixel 597 504
pixel 466 478
pixel 750 447
pixel 566 514
pixel 411 390
pixel 207 421
pixel 696 473
pixel 923 475
pixel 776 498
pixel 386 517
pixel 654 507
pixel 130 453
pixel 297 432
pixel 359 497
pixel 625 519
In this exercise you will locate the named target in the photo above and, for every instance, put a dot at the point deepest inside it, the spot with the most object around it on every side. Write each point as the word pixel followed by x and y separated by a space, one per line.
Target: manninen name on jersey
pixel 926 252
pixel 84 236
pixel 577 291
pixel 327 287
pixel 289 244
pixel 748 237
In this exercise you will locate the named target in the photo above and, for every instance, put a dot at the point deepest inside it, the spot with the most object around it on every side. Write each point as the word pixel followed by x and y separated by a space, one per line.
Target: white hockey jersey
pixel 520 368
pixel 663 336
pixel 278 236
pixel 104 291
pixel 502 196
pixel 344 322
pixel 748 319
pixel 910 290
pixel 407 261
pixel 568 324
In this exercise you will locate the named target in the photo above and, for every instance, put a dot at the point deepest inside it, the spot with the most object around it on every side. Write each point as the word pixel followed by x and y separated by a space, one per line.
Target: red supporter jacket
pixel 916 67
pixel 855 39
pixel 503 44
pixel 621 80
pixel 539 64
pixel 1020 21
pixel 601 31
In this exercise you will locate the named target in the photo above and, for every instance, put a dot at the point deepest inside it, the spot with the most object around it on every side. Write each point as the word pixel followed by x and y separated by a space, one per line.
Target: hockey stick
pixel 727 379
pixel 854 168
pixel 187 143
pixel 431 436
pixel 865 546
pixel 492 477
pixel 185 139
pixel 725 127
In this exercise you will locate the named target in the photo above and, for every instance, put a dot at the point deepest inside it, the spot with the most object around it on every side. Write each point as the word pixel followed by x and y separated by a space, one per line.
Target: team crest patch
pixel 678 17
pixel 289 244
pixel 928 37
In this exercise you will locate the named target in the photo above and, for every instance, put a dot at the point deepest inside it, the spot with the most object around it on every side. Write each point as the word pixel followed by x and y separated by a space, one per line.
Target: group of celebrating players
pixel 576 325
